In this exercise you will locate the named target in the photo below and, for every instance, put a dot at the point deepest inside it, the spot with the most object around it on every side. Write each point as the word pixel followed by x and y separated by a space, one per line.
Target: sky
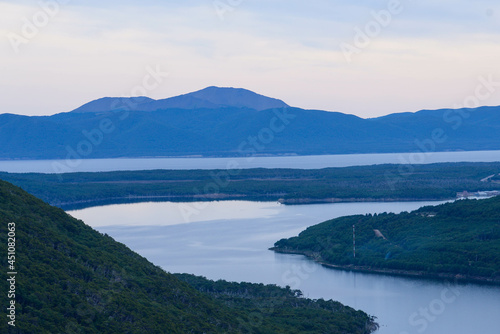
pixel 367 58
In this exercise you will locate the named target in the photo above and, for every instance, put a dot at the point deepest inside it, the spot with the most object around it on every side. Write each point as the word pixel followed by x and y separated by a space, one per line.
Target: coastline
pixel 394 272
pixel 306 200
pixel 88 203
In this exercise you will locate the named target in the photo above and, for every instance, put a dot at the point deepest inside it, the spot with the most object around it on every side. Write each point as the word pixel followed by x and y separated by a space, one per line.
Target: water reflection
pixel 170 213
pixel 230 240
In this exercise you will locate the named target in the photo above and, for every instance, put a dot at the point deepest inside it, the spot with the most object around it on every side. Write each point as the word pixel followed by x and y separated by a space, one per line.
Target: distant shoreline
pixel 229 156
pixel 357 184
pixel 79 205
pixel 337 160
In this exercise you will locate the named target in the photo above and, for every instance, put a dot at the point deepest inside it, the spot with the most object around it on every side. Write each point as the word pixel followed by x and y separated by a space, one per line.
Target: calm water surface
pixel 229 240
pixel 300 162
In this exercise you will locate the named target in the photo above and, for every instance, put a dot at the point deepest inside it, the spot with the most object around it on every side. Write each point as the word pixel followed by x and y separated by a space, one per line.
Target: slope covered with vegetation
pixel 281 310
pixel 460 239
pixel 71 279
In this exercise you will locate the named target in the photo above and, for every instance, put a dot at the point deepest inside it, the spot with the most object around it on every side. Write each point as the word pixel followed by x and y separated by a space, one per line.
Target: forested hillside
pixel 68 278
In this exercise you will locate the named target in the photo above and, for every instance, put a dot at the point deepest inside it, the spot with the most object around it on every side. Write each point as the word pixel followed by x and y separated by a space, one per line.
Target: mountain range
pixel 236 122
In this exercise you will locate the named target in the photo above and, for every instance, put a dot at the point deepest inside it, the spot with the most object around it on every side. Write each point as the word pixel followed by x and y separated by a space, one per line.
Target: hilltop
pixel 208 98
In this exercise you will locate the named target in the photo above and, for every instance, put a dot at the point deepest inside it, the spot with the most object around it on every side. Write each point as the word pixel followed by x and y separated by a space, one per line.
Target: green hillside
pixel 72 279
pixel 455 240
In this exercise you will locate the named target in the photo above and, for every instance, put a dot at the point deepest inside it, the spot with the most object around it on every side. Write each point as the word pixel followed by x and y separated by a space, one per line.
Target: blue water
pixel 300 162
pixel 230 240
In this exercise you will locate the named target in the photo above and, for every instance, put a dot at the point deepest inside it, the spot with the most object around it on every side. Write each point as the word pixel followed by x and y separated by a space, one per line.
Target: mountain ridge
pixel 209 98
pixel 230 122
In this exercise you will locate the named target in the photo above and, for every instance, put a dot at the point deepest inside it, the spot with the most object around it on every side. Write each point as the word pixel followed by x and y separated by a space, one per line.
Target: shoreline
pixel 224 155
pixel 306 200
pixel 94 202
pixel 395 272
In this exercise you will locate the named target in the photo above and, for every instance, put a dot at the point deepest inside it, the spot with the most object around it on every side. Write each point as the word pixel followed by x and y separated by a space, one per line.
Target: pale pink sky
pixel 368 59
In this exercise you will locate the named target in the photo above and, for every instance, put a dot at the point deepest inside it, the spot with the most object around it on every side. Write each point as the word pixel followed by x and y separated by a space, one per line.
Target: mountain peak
pixel 237 97
pixel 208 98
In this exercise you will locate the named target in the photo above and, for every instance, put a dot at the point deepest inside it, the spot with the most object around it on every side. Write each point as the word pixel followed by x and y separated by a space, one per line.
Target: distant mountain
pixel 69 278
pixel 236 122
pixel 208 98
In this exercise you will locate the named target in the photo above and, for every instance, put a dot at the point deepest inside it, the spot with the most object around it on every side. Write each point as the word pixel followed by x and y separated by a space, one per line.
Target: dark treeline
pixel 290 186
pixel 282 310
